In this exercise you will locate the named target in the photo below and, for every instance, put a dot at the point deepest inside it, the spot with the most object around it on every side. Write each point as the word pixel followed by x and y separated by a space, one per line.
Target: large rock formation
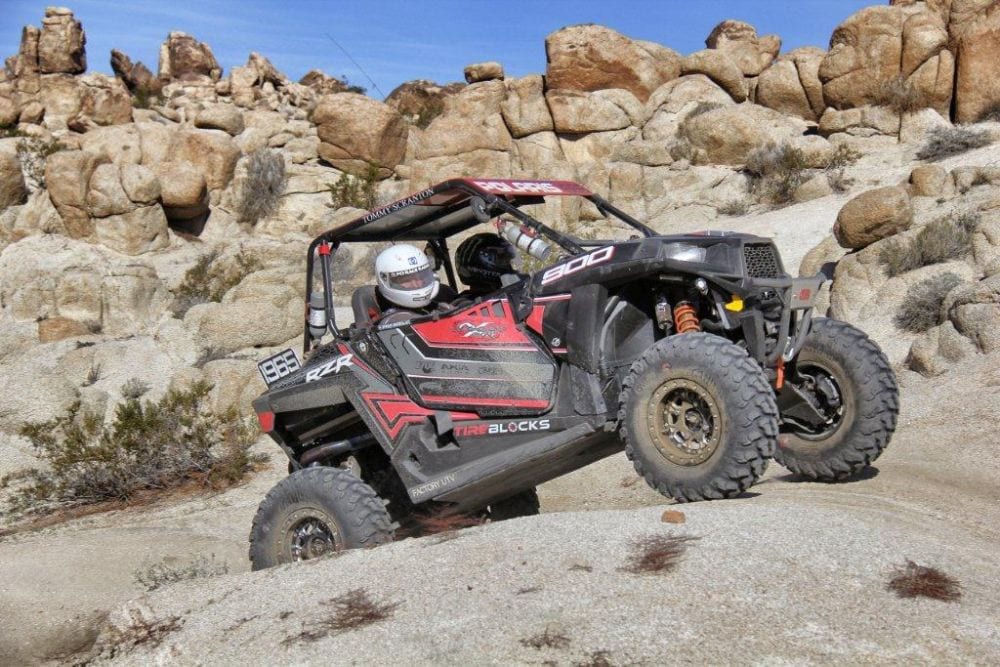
pixel 356 131
pixel 739 41
pixel 421 101
pixel 718 67
pixel 136 76
pixel 977 49
pixel 792 86
pixel 880 46
pixel 184 58
pixel 591 57
pixel 61 44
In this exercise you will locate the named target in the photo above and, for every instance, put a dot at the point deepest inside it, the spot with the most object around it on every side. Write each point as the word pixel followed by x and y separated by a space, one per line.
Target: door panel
pixel 478 358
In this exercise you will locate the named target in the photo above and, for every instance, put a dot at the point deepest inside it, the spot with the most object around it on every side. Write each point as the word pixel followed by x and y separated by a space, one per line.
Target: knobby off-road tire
pixel 870 399
pixel 313 512
pixel 521 504
pixel 707 376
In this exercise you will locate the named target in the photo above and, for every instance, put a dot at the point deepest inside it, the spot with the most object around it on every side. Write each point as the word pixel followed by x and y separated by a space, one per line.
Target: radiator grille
pixel 761 260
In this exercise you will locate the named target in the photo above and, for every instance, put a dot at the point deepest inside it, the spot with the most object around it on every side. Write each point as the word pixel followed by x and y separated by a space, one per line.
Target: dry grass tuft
pixel 937 242
pixel 352 610
pixel 546 639
pixel 141 632
pixel 911 580
pixel 899 95
pixel 945 142
pixel 921 309
pixel 265 183
pixel 734 207
pixel 657 553
pixel 776 171
pixel 599 658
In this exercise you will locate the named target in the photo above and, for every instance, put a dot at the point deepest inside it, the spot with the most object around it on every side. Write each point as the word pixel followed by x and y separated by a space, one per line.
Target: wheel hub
pixel 312 538
pixel 684 422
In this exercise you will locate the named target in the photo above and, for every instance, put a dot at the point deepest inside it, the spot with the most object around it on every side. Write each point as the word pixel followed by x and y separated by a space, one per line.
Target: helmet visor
pixel 412 280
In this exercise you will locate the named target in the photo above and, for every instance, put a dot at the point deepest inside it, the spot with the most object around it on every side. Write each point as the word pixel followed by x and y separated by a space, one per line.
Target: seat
pixel 366 306
pixel 369 306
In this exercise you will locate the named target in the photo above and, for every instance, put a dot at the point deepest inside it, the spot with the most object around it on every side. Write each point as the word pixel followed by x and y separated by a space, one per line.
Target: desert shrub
pixel 157 575
pixel 776 170
pixel 134 388
pixel 209 280
pixel 911 580
pixel 844 156
pixel 898 257
pixel 33 153
pixel 739 206
pixel 899 95
pixel 939 241
pixel 838 180
pixel 93 375
pixel 148 446
pixel 265 182
pixel 356 191
pixel 11 130
pixel 921 309
pixel 944 142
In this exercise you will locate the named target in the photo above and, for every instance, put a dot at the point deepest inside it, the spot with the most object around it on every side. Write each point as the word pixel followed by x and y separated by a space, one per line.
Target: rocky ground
pixel 792 572
pixel 153 226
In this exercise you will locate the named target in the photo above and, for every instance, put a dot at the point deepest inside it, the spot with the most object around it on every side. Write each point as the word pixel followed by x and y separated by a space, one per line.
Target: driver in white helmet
pixel 406 280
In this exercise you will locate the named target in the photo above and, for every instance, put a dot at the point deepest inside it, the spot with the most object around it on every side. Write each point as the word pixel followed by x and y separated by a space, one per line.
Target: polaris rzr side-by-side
pixel 696 354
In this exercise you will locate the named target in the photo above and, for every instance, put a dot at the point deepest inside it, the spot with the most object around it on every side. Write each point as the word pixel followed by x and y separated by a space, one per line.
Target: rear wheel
pixel 314 512
pixel 854 390
pixel 698 418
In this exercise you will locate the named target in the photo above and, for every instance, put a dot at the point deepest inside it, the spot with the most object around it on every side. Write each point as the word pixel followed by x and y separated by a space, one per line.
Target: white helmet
pixel 405 276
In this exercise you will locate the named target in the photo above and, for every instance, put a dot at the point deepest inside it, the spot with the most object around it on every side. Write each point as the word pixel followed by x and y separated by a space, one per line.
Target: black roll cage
pixel 467 195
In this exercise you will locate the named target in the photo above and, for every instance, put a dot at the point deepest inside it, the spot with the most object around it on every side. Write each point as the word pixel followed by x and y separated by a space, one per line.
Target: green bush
pixel 265 182
pixel 356 191
pixel 921 309
pixel 148 446
pixel 939 241
pixel 944 142
pixel 209 280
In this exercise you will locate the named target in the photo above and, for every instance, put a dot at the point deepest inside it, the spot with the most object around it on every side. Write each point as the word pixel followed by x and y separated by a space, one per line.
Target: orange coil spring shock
pixel 686 318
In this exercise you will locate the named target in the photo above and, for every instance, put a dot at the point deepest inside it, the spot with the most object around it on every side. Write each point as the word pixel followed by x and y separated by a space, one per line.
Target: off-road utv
pixel 696 354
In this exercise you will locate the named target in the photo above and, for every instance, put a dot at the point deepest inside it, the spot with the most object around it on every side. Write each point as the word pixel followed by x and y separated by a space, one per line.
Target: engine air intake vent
pixel 761 260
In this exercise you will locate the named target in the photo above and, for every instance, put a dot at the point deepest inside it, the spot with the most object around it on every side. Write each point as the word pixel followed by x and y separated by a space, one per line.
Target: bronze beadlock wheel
pixel 684 422
pixel 698 417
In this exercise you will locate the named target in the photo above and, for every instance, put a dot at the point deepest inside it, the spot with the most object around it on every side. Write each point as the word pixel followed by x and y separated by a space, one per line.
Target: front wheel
pixel 314 512
pixel 698 418
pixel 854 391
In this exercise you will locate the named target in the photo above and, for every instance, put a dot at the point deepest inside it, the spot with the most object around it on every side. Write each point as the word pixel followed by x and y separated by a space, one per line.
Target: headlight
pixel 686 252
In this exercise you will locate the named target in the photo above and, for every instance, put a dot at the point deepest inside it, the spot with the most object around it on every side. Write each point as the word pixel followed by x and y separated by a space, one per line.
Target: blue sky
pixel 396 41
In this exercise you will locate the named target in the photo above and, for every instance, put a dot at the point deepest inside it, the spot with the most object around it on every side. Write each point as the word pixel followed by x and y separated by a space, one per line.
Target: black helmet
pixel 483 259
